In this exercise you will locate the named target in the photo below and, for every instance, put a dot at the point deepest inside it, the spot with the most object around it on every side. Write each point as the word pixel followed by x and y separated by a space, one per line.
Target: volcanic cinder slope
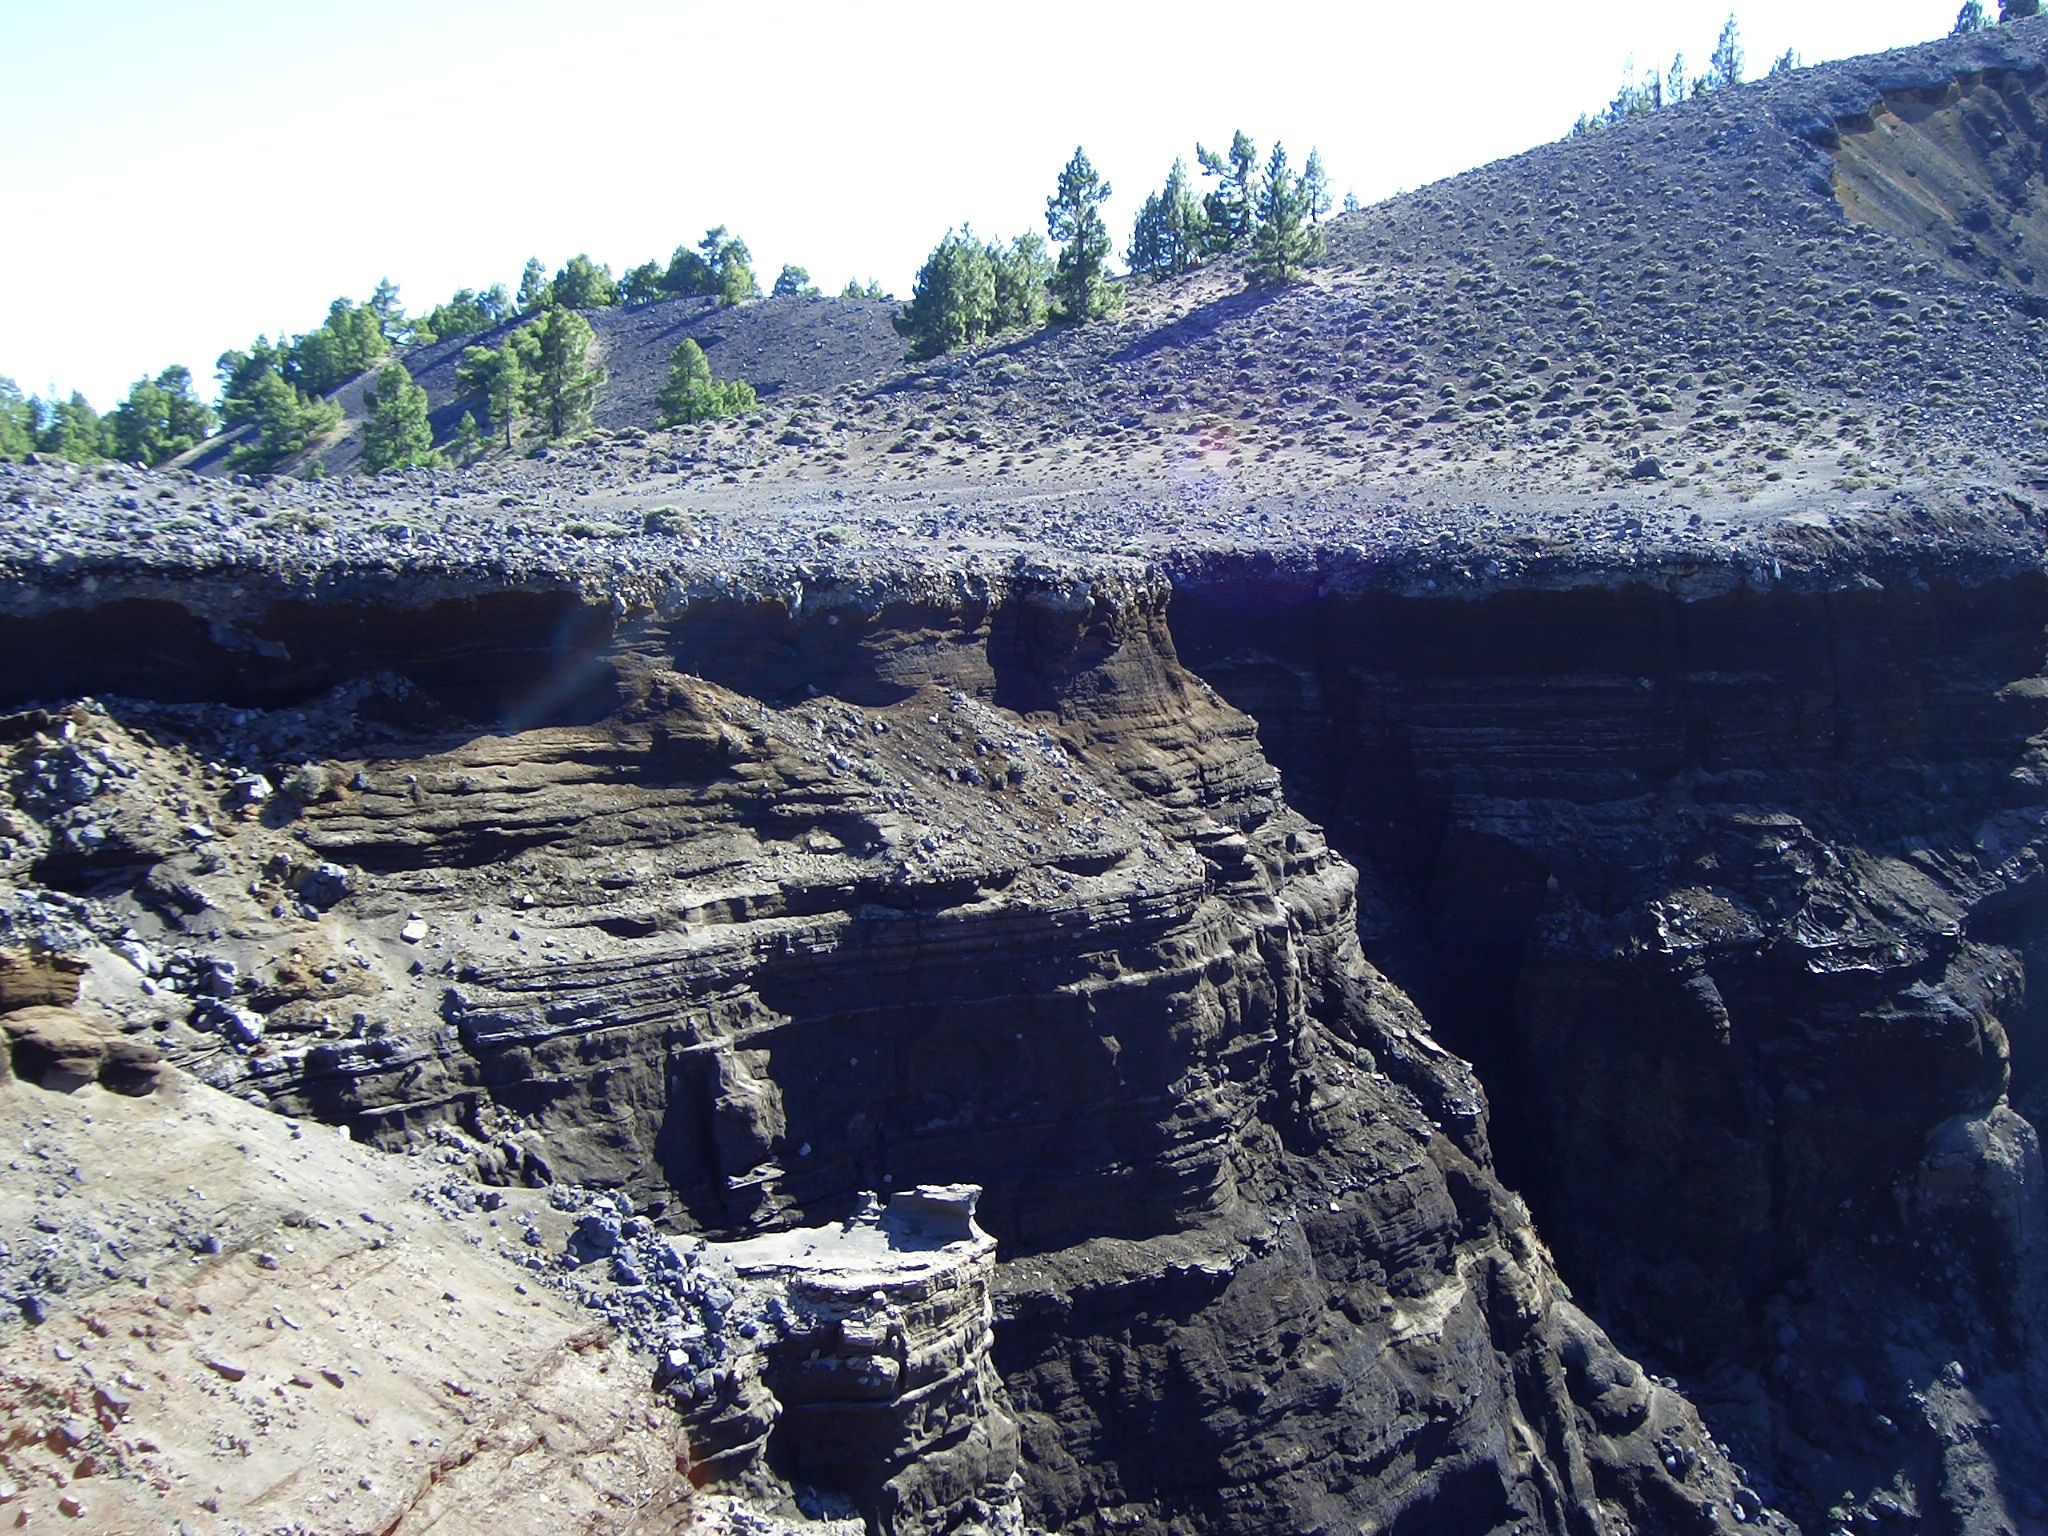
pixel 1592 629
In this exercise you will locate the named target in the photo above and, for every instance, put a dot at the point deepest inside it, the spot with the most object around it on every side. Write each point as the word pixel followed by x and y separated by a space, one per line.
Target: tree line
pixel 970 289
pixel 541 377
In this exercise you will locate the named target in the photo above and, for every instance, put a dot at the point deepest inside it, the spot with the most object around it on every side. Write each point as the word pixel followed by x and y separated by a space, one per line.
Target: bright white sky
pixel 188 173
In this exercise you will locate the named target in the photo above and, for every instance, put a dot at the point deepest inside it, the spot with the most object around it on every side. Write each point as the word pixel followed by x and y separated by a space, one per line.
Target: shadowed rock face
pixel 1732 903
pixel 1013 900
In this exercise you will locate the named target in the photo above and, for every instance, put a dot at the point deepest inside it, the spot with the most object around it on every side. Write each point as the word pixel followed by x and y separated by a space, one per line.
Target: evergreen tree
pixel 1724 69
pixel 1228 209
pixel 1171 231
pixel 689 275
pixel 72 429
pixel 1073 216
pixel 953 300
pixel 533 286
pixel 397 433
pixel 1970 18
pixel 565 380
pixel 721 267
pixel 1785 62
pixel 17 428
pixel 389 312
pixel 793 282
pixel 285 422
pixel 856 289
pixel 468 442
pixel 642 285
pixel 1351 202
pixel 736 280
pixel 160 419
pixel 583 284
pixel 1286 240
pixel 1023 277
pixel 499 378
pixel 1675 83
pixel 2018 10
pixel 692 394
pixel 1315 187
pixel 347 343
pixel 239 373
pixel 465 314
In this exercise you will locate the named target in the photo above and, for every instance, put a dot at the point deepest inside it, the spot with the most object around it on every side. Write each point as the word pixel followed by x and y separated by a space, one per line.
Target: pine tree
pixel 1285 240
pixel 1724 69
pixel 17 430
pixel 397 433
pixel 1228 209
pixel 348 342
pixel 692 394
pixel 2018 10
pixel 468 442
pixel 389 312
pixel 1315 187
pixel 1023 275
pixel 533 286
pixel 1073 216
pixel 583 284
pixel 793 282
pixel 1970 18
pixel 285 421
pixel 953 301
pixel 856 289
pixel 72 429
pixel 736 280
pixel 497 377
pixel 1171 231
pixel 160 419
pixel 565 381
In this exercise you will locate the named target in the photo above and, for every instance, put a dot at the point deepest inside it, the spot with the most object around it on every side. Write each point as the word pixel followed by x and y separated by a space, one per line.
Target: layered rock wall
pixel 1732 901
pixel 745 905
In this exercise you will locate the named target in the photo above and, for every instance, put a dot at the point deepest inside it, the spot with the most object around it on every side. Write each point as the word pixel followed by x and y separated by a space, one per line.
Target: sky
pixel 199 171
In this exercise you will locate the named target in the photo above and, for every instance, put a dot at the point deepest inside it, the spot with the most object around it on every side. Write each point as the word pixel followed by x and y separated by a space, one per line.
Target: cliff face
pixel 1732 902
pixel 746 905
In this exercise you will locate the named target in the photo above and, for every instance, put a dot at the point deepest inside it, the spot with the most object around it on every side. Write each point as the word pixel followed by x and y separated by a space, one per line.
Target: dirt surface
pixel 251 1324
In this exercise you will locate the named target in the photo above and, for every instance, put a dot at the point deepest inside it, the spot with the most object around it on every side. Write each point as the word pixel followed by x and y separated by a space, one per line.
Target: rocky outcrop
pixel 1732 901
pixel 741 907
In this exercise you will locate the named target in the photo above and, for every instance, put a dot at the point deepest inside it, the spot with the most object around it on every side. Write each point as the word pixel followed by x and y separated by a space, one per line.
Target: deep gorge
pixel 1728 899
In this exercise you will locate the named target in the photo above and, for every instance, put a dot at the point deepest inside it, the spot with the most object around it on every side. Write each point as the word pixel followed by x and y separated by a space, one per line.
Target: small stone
pixel 232 1370
pixel 71 1505
pixel 413 931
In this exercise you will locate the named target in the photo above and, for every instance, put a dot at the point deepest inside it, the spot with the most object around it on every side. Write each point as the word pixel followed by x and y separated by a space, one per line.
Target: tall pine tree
pixel 1228 210
pixel 1286 240
pixel 397 433
pixel 565 379
pixel 1073 216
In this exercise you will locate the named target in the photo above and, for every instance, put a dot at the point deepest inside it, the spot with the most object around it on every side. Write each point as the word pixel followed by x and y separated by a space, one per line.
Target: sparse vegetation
pixel 692 394
pixel 397 433
pixel 969 289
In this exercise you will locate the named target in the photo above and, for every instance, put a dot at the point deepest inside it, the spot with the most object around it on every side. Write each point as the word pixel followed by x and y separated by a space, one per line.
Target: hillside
pixel 782 346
